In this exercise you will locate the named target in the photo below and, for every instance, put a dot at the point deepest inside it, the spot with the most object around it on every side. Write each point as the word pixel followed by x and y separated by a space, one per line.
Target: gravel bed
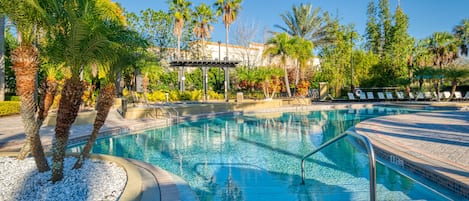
pixel 96 180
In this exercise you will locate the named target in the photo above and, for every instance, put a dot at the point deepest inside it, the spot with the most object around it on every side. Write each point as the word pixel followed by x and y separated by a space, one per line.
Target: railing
pixel 174 109
pixel 371 159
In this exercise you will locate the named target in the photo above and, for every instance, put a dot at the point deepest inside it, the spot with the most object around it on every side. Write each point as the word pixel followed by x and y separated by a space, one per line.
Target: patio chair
pixel 446 95
pixel 428 95
pixel 363 96
pixel 420 96
pixel 411 96
pixel 381 96
pixel 466 97
pixel 457 95
pixel 389 95
pixel 351 96
pixel 400 95
pixel 370 95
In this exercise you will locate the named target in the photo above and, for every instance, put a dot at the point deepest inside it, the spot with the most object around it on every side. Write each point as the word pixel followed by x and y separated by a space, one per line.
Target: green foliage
pixel 155 26
pixel 9 108
pixel 307 23
pixel 215 96
pixel 157 96
pixel 387 36
pixel 12 98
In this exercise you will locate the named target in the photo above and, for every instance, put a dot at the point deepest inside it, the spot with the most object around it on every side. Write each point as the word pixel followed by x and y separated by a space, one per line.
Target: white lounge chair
pixel 381 96
pixel 351 96
pixel 428 95
pixel 457 95
pixel 446 95
pixel 411 96
pixel 400 95
pixel 363 96
pixel 420 96
pixel 370 95
pixel 389 95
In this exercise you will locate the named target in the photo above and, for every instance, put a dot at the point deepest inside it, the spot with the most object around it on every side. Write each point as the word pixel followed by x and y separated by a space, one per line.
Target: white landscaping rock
pixel 96 180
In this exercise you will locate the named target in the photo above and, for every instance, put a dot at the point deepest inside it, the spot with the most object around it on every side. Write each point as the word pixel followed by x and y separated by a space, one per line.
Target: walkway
pixel 433 145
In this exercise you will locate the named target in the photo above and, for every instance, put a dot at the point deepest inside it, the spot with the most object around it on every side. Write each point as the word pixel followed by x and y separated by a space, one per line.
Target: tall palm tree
pixel 25 60
pixel 203 17
pixel 180 10
pixel 461 32
pixel 306 22
pixel 229 9
pixel 280 46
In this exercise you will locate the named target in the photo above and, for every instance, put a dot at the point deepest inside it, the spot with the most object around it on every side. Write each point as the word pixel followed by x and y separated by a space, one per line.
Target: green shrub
pixel 215 96
pixel 157 96
pixel 9 108
pixel 12 98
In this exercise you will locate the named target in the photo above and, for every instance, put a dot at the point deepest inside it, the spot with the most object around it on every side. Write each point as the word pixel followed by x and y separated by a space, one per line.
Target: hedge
pixel 9 108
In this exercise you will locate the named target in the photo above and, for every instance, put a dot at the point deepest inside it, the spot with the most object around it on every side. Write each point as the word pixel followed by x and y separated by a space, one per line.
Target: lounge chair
pixel 446 95
pixel 389 95
pixel 466 97
pixel 420 96
pixel 370 95
pixel 400 95
pixel 457 95
pixel 363 96
pixel 428 95
pixel 381 96
pixel 351 96
pixel 411 96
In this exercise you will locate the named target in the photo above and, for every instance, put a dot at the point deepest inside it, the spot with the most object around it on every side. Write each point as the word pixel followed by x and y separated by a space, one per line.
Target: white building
pixel 250 55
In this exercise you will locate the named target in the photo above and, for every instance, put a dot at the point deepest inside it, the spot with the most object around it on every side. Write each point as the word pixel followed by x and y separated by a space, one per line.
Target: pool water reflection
pixel 258 158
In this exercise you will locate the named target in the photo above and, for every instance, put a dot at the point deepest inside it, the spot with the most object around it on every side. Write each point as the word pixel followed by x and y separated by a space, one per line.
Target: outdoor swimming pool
pixel 258 158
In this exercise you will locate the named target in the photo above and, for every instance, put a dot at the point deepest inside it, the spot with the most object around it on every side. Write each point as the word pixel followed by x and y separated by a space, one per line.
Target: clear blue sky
pixel 425 16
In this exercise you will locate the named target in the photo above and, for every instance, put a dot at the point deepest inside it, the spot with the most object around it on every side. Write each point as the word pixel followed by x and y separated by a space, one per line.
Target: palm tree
pixel 443 47
pixel 25 60
pixel 457 75
pixel 126 43
pixel 203 17
pixel 462 34
pixel 280 46
pixel 229 9
pixel 302 51
pixel 306 23
pixel 81 40
pixel 180 9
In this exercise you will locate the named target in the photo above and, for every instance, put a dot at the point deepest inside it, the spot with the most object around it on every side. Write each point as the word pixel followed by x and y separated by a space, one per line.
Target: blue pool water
pixel 258 158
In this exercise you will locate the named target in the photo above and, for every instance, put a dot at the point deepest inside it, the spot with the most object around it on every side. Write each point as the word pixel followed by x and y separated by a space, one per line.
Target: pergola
pixel 205 64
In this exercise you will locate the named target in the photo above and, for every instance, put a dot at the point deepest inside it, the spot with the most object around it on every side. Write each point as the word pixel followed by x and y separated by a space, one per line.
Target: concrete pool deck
pixel 432 145
pixel 450 131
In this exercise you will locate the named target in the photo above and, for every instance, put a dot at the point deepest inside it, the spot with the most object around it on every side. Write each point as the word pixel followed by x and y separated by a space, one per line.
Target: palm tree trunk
pixel 454 84
pixel 68 110
pixel 104 104
pixel 25 61
pixel 287 84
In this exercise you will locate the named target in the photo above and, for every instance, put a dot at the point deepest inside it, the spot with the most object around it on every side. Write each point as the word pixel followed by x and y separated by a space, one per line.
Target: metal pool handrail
pixel 369 150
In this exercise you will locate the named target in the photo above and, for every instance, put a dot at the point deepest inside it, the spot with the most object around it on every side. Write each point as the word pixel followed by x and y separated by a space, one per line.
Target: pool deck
pixel 433 144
